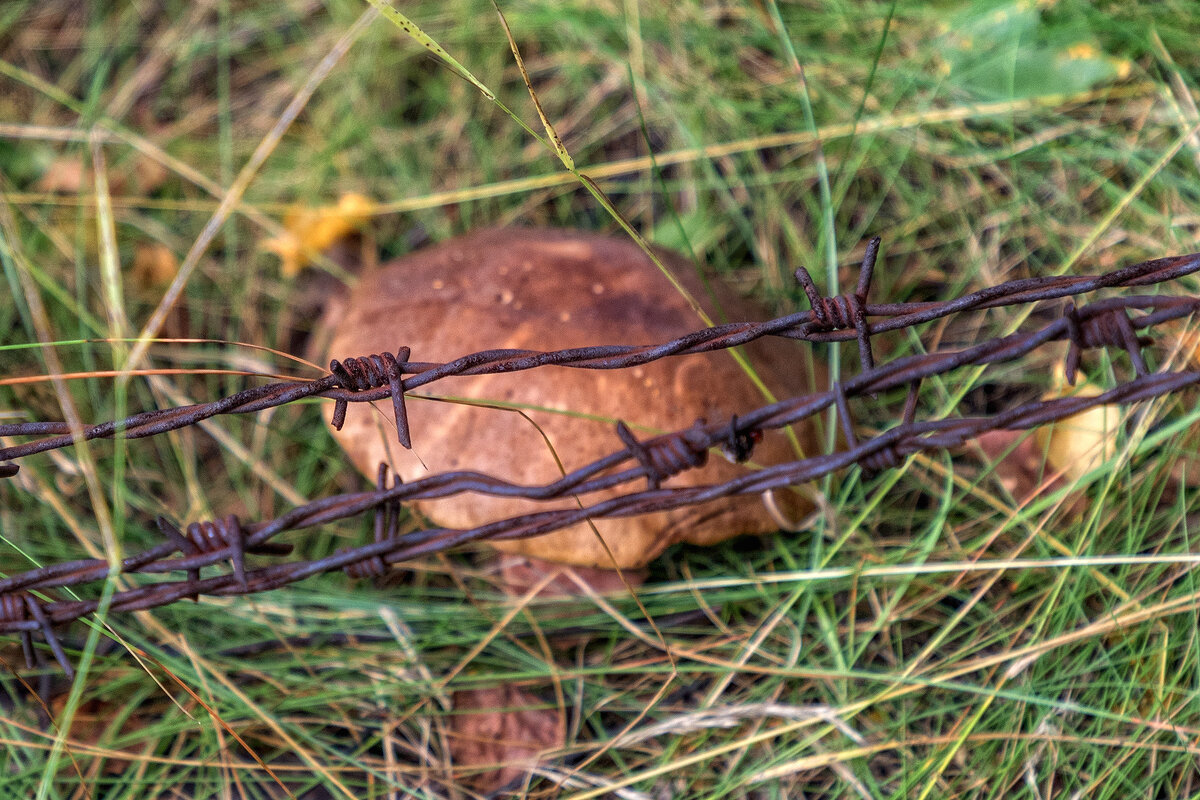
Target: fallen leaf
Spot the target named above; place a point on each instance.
(1019, 463)
(1078, 444)
(153, 265)
(66, 175)
(1057, 453)
(497, 734)
(309, 231)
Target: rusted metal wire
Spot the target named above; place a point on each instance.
(370, 372)
(845, 311)
(669, 456)
(1113, 322)
(806, 325)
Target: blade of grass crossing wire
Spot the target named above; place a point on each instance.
(657, 172)
(118, 327)
(41, 323)
(75, 696)
(103, 514)
(735, 352)
(827, 235)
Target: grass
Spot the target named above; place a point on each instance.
(932, 637)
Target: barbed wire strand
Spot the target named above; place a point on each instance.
(1100, 324)
(341, 384)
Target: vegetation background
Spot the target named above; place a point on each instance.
(984, 141)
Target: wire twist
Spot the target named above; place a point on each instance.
(373, 372)
(886, 456)
(387, 524)
(1108, 328)
(847, 310)
(211, 536)
(667, 455)
(21, 606)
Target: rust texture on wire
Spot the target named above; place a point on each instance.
(381, 372)
(28, 603)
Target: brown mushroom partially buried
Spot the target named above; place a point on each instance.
(543, 289)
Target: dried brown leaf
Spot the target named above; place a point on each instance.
(498, 733)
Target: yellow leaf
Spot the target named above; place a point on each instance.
(310, 231)
(1079, 443)
(1082, 50)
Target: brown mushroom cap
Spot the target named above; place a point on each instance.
(543, 289)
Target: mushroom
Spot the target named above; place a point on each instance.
(543, 289)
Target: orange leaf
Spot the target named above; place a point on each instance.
(310, 231)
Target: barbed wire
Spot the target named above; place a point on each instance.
(374, 377)
(28, 605)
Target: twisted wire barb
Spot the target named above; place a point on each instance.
(374, 371)
(387, 518)
(1104, 323)
(845, 311)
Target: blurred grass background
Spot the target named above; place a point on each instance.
(983, 141)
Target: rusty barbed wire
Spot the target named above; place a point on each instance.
(375, 371)
(375, 557)
(1100, 324)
